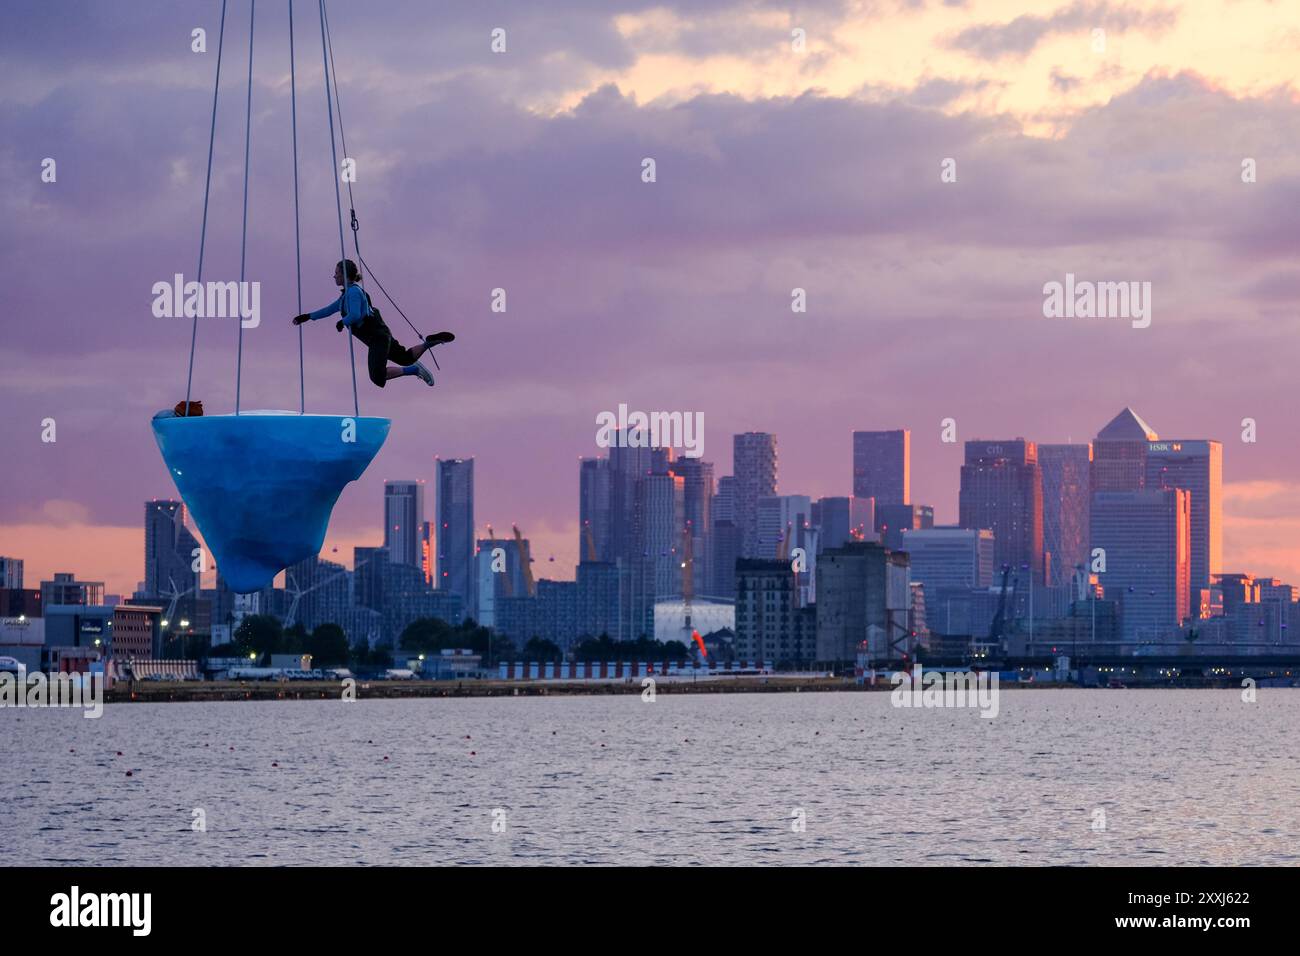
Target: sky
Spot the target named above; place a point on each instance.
(796, 146)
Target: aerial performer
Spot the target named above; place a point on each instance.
(364, 322)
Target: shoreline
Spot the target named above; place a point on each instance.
(197, 692)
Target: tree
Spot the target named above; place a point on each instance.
(539, 649)
(294, 640)
(259, 633)
(328, 646)
(426, 635)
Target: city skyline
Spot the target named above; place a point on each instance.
(550, 566)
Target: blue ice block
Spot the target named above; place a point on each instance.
(261, 485)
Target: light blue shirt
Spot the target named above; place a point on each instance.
(357, 306)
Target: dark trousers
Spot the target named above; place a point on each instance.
(381, 348)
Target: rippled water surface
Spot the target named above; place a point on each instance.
(1183, 777)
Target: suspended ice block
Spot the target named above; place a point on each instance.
(261, 485)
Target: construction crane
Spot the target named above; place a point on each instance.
(529, 584)
(998, 627)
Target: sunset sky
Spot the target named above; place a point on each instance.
(776, 168)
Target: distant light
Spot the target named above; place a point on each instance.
(164, 622)
(253, 656)
(184, 623)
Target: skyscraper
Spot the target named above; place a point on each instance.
(1067, 501)
(627, 467)
(1119, 453)
(882, 466)
(1198, 467)
(697, 499)
(404, 521)
(754, 465)
(593, 508)
(168, 550)
(662, 511)
(455, 533)
(1002, 490)
(1146, 538)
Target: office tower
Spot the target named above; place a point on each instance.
(754, 466)
(593, 509)
(368, 566)
(11, 573)
(766, 601)
(782, 523)
(724, 553)
(950, 557)
(168, 551)
(1146, 537)
(455, 532)
(403, 521)
(1119, 453)
(724, 502)
(1002, 490)
(1198, 467)
(786, 531)
(661, 509)
(863, 604)
(697, 499)
(627, 467)
(66, 589)
(832, 516)
(499, 573)
(882, 466)
(1067, 501)
(893, 520)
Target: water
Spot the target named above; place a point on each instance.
(1183, 777)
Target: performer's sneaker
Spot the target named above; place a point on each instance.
(420, 370)
(438, 338)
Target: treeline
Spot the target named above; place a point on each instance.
(262, 634)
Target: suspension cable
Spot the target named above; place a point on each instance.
(207, 188)
(243, 238)
(297, 239)
(338, 201)
(352, 206)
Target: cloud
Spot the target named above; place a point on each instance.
(1018, 37)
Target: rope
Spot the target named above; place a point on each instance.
(338, 198)
(243, 238)
(297, 240)
(352, 206)
(207, 188)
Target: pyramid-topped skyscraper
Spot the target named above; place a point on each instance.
(1119, 453)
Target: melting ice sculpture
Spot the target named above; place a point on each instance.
(261, 484)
